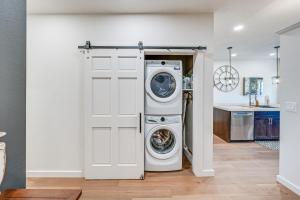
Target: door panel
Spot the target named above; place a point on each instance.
(127, 62)
(102, 146)
(101, 104)
(260, 128)
(274, 129)
(102, 62)
(127, 96)
(113, 101)
(127, 145)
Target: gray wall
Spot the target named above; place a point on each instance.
(13, 89)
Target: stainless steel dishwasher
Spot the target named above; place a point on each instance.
(242, 125)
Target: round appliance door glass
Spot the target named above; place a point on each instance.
(162, 141)
(163, 85)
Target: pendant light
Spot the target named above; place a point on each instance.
(229, 78)
(276, 79)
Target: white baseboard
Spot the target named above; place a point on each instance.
(288, 184)
(205, 173)
(54, 173)
(79, 173)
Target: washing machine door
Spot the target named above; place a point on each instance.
(163, 84)
(162, 142)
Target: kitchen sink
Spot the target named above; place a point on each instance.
(266, 106)
(261, 106)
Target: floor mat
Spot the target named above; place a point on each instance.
(272, 145)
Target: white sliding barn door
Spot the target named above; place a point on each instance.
(114, 110)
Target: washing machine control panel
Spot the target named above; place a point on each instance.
(163, 119)
(175, 64)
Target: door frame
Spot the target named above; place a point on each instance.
(202, 159)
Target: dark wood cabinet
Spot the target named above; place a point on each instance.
(266, 125)
(221, 124)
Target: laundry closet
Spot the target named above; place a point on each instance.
(178, 71)
(144, 110)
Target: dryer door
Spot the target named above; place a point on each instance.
(163, 85)
(162, 142)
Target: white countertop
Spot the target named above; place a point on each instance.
(236, 108)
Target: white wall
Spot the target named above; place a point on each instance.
(289, 91)
(54, 132)
(249, 68)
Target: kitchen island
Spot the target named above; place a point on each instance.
(246, 123)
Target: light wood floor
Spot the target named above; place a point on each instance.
(244, 171)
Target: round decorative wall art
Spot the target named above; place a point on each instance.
(226, 77)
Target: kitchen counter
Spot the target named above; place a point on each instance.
(236, 108)
(231, 122)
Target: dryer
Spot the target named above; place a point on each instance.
(163, 143)
(163, 86)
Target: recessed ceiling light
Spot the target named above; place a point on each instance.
(238, 28)
(272, 54)
(233, 55)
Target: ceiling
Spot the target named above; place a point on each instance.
(124, 6)
(261, 18)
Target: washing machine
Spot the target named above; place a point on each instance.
(163, 86)
(163, 143)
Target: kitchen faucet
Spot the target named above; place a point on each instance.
(250, 98)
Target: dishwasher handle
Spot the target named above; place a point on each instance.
(242, 114)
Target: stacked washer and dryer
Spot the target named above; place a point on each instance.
(163, 120)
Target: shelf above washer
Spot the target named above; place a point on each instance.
(187, 90)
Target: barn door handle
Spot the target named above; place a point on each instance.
(140, 122)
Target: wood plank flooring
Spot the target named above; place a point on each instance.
(244, 171)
